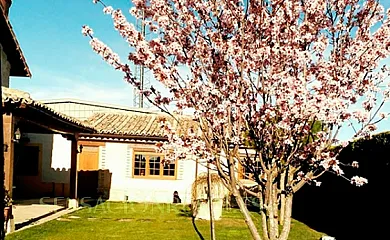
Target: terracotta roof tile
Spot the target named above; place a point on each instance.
(137, 124)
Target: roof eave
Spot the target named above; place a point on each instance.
(11, 47)
(124, 136)
(64, 121)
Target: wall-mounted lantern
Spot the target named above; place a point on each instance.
(80, 150)
(17, 135)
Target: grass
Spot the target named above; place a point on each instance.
(145, 222)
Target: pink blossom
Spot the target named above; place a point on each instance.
(330, 162)
(359, 181)
(355, 164)
(105, 52)
(318, 184)
(345, 143)
(108, 10)
(337, 170)
(86, 30)
(371, 127)
(361, 116)
(133, 11)
(383, 115)
(236, 140)
(163, 20)
(287, 81)
(300, 175)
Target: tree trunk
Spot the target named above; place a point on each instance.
(210, 201)
(273, 225)
(244, 210)
(287, 218)
(263, 216)
(282, 197)
(276, 205)
(248, 219)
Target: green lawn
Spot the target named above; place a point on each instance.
(144, 221)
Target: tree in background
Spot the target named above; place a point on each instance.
(263, 72)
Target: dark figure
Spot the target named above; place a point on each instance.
(176, 198)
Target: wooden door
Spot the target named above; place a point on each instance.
(89, 158)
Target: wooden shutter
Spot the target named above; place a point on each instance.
(89, 158)
(128, 162)
(180, 169)
(102, 157)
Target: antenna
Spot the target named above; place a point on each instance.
(140, 73)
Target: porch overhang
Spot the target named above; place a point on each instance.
(33, 112)
(22, 114)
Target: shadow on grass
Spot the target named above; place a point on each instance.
(91, 202)
(185, 212)
(188, 213)
(345, 211)
(336, 208)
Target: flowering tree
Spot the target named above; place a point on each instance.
(260, 74)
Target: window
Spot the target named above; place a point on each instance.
(152, 165)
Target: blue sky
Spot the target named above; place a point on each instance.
(60, 57)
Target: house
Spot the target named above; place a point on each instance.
(123, 150)
(124, 145)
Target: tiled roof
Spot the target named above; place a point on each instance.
(97, 104)
(17, 97)
(138, 124)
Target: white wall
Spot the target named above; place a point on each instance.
(115, 161)
(56, 156)
(119, 160)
